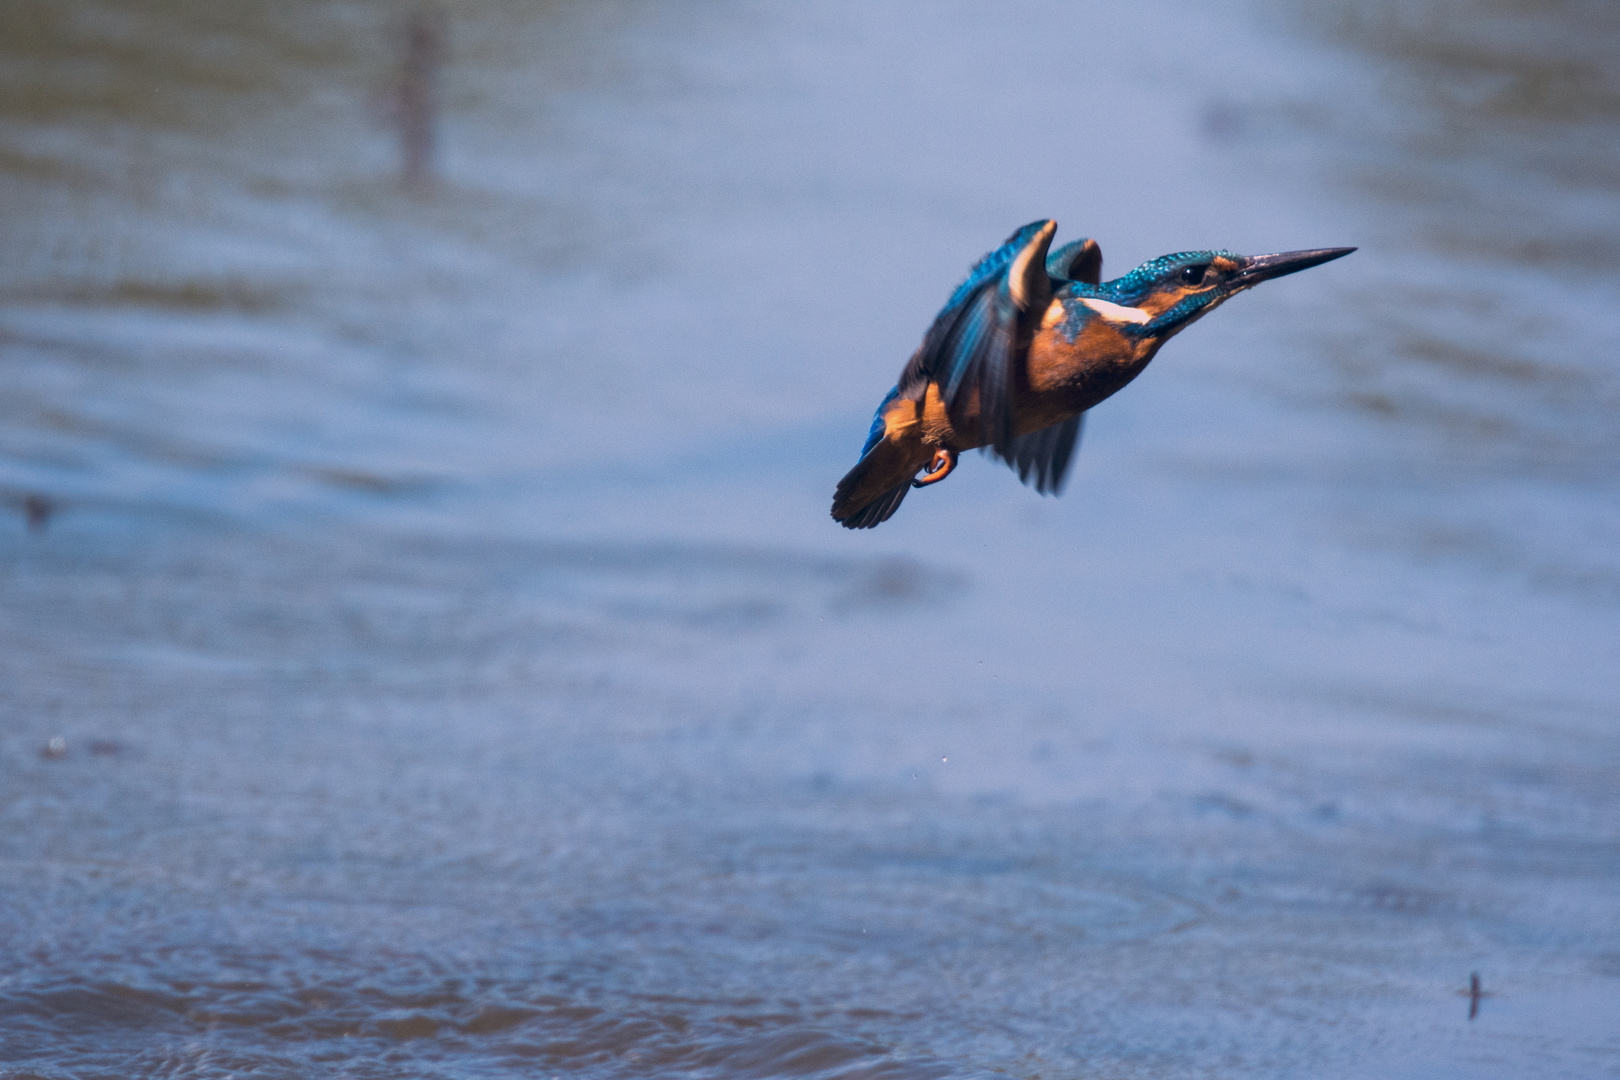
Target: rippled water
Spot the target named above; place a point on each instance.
(457, 673)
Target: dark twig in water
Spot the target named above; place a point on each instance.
(1475, 992)
(38, 510)
(417, 96)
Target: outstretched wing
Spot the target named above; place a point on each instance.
(1078, 260)
(978, 340)
(1042, 458)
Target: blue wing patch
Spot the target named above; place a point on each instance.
(974, 339)
(991, 265)
(875, 435)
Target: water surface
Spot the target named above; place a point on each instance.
(458, 673)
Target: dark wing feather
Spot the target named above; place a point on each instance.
(976, 340)
(1042, 457)
(1078, 260)
(984, 351)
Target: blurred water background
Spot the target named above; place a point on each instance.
(457, 673)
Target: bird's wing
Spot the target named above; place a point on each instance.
(980, 336)
(1078, 260)
(1042, 457)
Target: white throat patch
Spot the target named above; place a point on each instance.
(1115, 312)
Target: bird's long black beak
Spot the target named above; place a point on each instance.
(1265, 267)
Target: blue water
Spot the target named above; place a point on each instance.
(458, 673)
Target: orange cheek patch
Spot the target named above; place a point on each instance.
(1162, 301)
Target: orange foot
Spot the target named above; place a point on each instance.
(938, 469)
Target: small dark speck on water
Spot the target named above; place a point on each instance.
(1476, 991)
(1223, 121)
(38, 510)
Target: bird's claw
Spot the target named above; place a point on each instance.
(938, 469)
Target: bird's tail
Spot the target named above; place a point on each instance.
(872, 491)
(877, 511)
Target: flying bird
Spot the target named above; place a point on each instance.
(1030, 341)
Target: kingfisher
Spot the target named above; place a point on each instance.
(1030, 341)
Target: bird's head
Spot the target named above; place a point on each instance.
(1161, 297)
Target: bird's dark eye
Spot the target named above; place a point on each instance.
(1193, 275)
